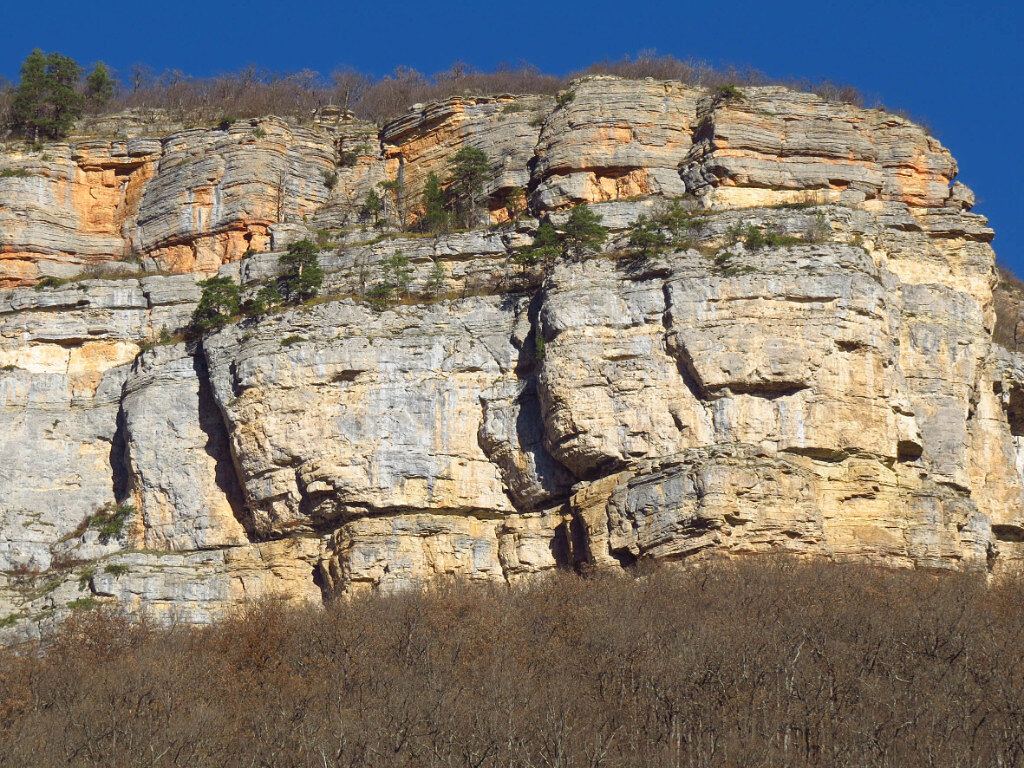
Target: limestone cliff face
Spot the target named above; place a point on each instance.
(837, 395)
(189, 201)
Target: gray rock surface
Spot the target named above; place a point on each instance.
(827, 385)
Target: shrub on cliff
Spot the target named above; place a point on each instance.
(584, 234)
(303, 276)
(436, 217)
(217, 305)
(469, 171)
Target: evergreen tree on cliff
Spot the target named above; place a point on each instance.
(303, 276)
(217, 305)
(469, 171)
(99, 86)
(435, 215)
(46, 102)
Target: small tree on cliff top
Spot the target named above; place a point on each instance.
(99, 86)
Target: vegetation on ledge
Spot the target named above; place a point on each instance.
(53, 90)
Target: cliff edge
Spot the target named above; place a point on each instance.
(809, 368)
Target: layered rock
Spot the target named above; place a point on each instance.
(611, 139)
(187, 202)
(810, 369)
(768, 143)
(426, 141)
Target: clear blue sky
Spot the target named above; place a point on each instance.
(958, 65)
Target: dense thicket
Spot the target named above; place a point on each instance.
(761, 663)
(253, 92)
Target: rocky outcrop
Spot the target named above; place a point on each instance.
(611, 139)
(767, 143)
(189, 201)
(426, 140)
(810, 369)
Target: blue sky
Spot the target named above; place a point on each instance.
(957, 65)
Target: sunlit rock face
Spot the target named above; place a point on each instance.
(828, 387)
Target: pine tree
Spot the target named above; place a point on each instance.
(266, 298)
(515, 203)
(647, 237)
(436, 279)
(397, 272)
(583, 232)
(303, 276)
(46, 102)
(545, 249)
(396, 277)
(372, 206)
(99, 86)
(435, 214)
(217, 305)
(469, 172)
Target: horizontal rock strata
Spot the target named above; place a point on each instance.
(831, 391)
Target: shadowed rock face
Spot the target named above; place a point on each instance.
(836, 395)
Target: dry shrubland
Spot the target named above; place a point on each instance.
(762, 663)
(1008, 301)
(254, 92)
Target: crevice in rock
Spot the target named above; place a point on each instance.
(218, 443)
(119, 472)
(818, 453)
(552, 477)
(694, 171)
(624, 557)
(1010, 533)
(684, 363)
(322, 580)
(908, 451)
(767, 390)
(562, 546)
(1015, 411)
(579, 544)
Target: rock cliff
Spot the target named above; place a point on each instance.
(810, 369)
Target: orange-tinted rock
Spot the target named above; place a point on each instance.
(748, 149)
(612, 139)
(426, 140)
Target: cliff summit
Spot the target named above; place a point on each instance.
(797, 356)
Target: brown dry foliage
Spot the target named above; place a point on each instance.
(253, 92)
(1008, 299)
(766, 663)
